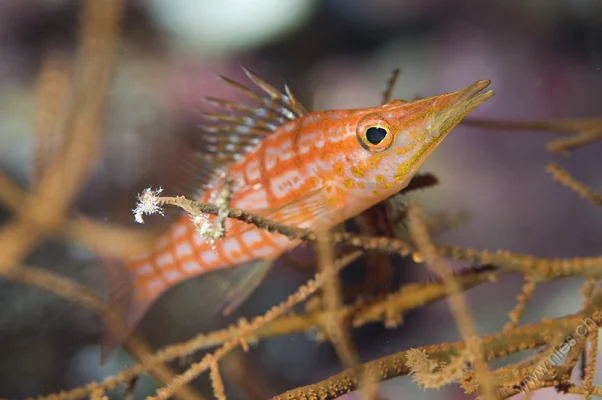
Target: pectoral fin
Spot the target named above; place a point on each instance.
(224, 290)
(249, 278)
(304, 212)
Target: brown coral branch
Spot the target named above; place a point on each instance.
(578, 140)
(558, 125)
(44, 208)
(53, 283)
(11, 194)
(300, 295)
(459, 308)
(523, 298)
(52, 90)
(596, 390)
(216, 380)
(537, 267)
(408, 298)
(87, 298)
(590, 362)
(421, 181)
(364, 242)
(336, 326)
(431, 375)
(163, 374)
(102, 238)
(562, 176)
(238, 371)
(589, 358)
(390, 85)
(379, 269)
(495, 346)
(585, 131)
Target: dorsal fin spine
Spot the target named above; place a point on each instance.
(235, 128)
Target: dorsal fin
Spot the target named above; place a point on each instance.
(239, 128)
(233, 129)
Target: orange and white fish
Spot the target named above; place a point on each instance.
(307, 169)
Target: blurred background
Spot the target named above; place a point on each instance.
(544, 59)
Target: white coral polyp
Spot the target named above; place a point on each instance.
(148, 203)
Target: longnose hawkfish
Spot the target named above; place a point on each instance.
(307, 169)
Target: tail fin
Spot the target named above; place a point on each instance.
(133, 291)
(136, 282)
(222, 291)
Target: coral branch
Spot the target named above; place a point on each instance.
(581, 189)
(523, 298)
(572, 142)
(300, 295)
(72, 107)
(494, 346)
(364, 242)
(43, 211)
(390, 85)
(459, 308)
(558, 125)
(585, 131)
(336, 326)
(100, 237)
(538, 268)
(86, 298)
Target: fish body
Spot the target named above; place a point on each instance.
(306, 169)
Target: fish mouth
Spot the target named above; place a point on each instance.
(446, 111)
(462, 103)
(474, 95)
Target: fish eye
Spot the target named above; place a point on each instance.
(374, 134)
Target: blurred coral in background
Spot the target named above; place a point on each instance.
(544, 59)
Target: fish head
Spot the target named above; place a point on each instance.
(395, 138)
